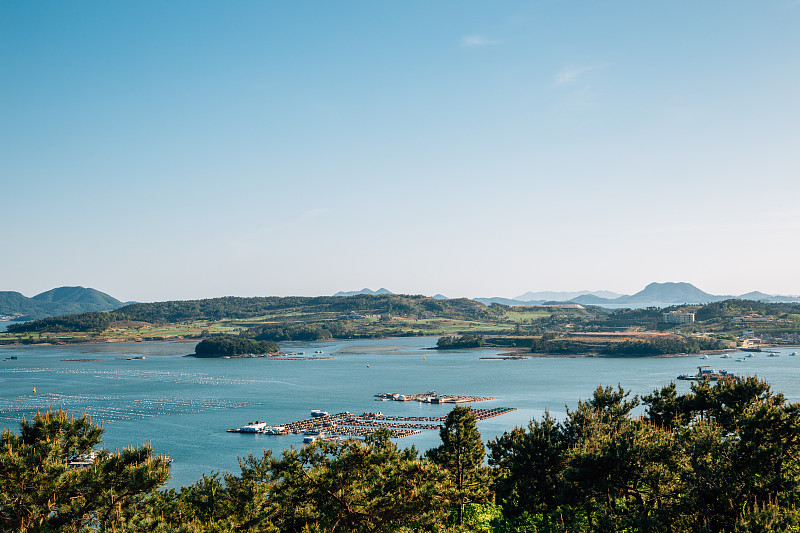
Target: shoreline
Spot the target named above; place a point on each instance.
(509, 353)
(524, 353)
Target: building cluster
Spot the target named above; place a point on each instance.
(677, 317)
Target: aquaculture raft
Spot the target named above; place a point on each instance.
(351, 425)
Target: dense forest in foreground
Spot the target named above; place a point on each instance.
(720, 458)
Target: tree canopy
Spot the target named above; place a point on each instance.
(233, 345)
(722, 457)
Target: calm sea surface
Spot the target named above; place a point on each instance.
(183, 405)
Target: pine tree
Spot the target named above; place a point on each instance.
(461, 453)
(39, 491)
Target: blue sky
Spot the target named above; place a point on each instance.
(201, 149)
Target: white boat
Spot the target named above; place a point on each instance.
(253, 427)
(274, 430)
(703, 357)
(793, 353)
(312, 438)
(725, 356)
(316, 413)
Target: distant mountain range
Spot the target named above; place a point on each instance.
(562, 296)
(71, 300)
(654, 295)
(56, 302)
(364, 291)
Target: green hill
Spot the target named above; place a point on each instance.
(57, 302)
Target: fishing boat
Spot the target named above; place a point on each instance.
(251, 427)
(308, 439)
(705, 372)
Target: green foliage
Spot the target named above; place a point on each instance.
(728, 308)
(40, 492)
(84, 322)
(461, 454)
(528, 466)
(357, 488)
(56, 302)
(663, 345)
(291, 332)
(234, 307)
(723, 457)
(232, 345)
(626, 348)
(454, 342)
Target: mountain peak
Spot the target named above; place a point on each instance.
(364, 291)
(677, 292)
(58, 301)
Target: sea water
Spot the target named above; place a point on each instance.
(182, 406)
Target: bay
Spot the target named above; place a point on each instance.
(183, 406)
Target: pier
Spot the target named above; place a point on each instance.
(350, 425)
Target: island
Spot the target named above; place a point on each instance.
(233, 346)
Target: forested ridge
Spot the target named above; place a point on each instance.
(236, 307)
(461, 323)
(325, 307)
(719, 458)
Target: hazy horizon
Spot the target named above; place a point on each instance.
(199, 149)
(471, 296)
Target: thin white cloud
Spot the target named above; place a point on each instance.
(476, 40)
(570, 74)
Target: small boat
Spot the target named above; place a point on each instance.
(704, 372)
(316, 413)
(741, 360)
(772, 354)
(725, 356)
(793, 353)
(251, 427)
(703, 357)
